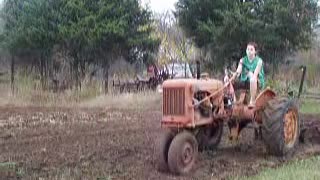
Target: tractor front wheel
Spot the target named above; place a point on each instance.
(164, 144)
(209, 136)
(281, 126)
(183, 152)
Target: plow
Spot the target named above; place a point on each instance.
(136, 85)
(154, 78)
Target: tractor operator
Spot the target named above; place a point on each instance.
(250, 70)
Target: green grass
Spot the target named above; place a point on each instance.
(7, 166)
(299, 169)
(10, 168)
(310, 107)
(81, 171)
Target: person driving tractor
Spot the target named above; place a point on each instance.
(250, 70)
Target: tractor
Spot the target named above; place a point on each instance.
(194, 112)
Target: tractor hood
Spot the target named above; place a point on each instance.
(209, 85)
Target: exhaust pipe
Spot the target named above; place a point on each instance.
(198, 69)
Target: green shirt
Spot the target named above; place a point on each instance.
(251, 66)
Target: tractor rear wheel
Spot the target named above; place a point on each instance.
(281, 126)
(183, 152)
(164, 144)
(209, 136)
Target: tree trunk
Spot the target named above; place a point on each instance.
(274, 64)
(46, 71)
(82, 71)
(185, 69)
(106, 79)
(71, 74)
(12, 74)
(76, 74)
(42, 73)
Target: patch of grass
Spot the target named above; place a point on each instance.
(141, 100)
(68, 173)
(299, 169)
(104, 178)
(28, 92)
(310, 107)
(7, 165)
(10, 169)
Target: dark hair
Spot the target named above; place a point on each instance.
(254, 45)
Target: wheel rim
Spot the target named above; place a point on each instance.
(290, 127)
(187, 153)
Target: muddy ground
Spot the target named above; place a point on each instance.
(99, 143)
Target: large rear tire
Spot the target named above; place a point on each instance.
(164, 144)
(183, 153)
(281, 126)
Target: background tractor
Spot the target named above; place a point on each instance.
(195, 111)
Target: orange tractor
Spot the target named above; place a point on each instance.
(195, 111)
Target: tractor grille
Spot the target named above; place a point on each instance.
(173, 101)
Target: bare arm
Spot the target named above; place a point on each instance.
(239, 69)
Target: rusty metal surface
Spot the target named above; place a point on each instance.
(264, 96)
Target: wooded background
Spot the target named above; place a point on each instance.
(70, 42)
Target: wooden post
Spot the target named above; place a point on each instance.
(12, 74)
(106, 79)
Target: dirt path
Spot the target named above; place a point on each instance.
(56, 143)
